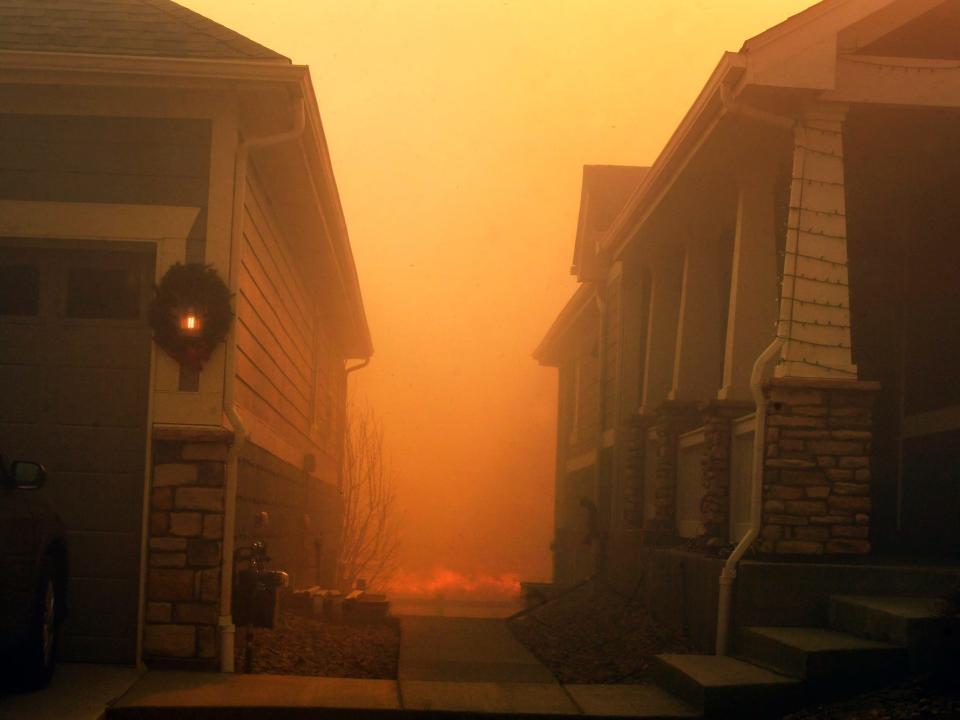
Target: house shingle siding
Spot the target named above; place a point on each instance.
(150, 28)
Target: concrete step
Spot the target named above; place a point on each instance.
(725, 686)
(823, 657)
(910, 622)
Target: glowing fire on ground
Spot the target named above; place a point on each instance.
(450, 584)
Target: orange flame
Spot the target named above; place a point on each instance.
(454, 585)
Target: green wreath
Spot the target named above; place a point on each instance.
(191, 313)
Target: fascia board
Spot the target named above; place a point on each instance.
(801, 52)
(341, 236)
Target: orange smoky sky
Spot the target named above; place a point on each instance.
(458, 130)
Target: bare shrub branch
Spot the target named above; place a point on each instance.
(369, 539)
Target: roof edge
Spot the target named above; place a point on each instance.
(349, 273)
(680, 146)
(577, 303)
(272, 70)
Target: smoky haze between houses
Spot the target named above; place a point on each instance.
(458, 133)
(508, 357)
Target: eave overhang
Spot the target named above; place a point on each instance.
(698, 123)
(549, 351)
(786, 66)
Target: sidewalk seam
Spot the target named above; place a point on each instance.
(403, 705)
(571, 698)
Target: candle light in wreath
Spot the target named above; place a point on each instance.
(191, 313)
(191, 322)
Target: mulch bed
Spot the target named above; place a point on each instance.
(921, 697)
(304, 646)
(594, 635)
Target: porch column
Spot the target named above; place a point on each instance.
(633, 321)
(718, 417)
(697, 358)
(666, 278)
(672, 419)
(659, 480)
(814, 316)
(752, 313)
(816, 483)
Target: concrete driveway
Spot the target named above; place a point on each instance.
(77, 692)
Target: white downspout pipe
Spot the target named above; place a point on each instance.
(227, 628)
(729, 573)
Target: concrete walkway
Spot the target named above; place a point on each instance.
(461, 666)
(465, 650)
(473, 665)
(212, 696)
(76, 692)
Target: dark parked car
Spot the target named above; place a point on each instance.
(33, 575)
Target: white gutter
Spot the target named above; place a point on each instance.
(227, 628)
(729, 573)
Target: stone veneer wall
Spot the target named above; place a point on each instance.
(816, 485)
(635, 433)
(673, 418)
(185, 547)
(718, 417)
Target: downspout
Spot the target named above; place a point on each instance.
(359, 366)
(227, 628)
(729, 573)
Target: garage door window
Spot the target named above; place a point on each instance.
(19, 290)
(103, 293)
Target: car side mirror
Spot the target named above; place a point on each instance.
(28, 475)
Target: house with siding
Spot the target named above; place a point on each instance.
(138, 137)
(759, 353)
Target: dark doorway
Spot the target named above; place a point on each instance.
(904, 228)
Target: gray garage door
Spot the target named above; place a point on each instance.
(74, 365)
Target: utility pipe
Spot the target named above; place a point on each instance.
(227, 629)
(729, 573)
